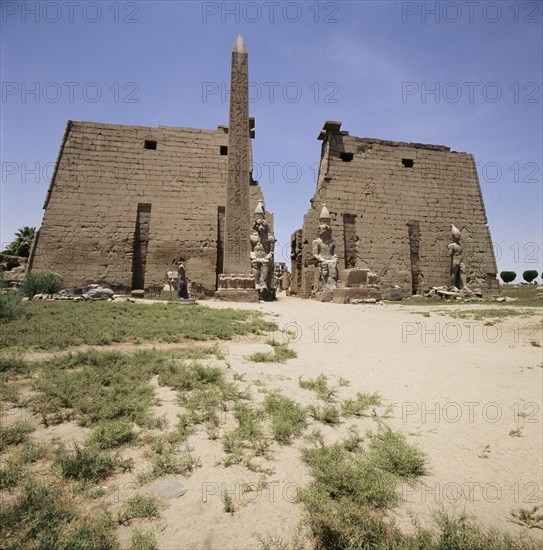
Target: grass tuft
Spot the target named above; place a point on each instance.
(320, 386)
(166, 458)
(42, 515)
(14, 435)
(280, 354)
(288, 418)
(139, 506)
(358, 406)
(10, 307)
(229, 506)
(85, 464)
(143, 541)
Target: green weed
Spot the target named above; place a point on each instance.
(139, 506)
(166, 458)
(327, 414)
(14, 435)
(10, 307)
(358, 406)
(288, 418)
(42, 515)
(530, 518)
(280, 354)
(85, 464)
(229, 507)
(320, 387)
(143, 541)
(59, 325)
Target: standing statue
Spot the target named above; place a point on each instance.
(278, 276)
(324, 254)
(458, 269)
(182, 287)
(262, 248)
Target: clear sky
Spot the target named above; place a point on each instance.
(463, 74)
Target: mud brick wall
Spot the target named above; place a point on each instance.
(392, 206)
(118, 213)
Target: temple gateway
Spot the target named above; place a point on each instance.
(127, 205)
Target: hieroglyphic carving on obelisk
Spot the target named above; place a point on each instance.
(237, 244)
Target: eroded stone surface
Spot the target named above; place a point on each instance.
(396, 202)
(126, 201)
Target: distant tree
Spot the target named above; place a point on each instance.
(529, 275)
(508, 276)
(22, 242)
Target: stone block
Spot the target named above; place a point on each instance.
(393, 294)
(353, 277)
(345, 295)
(237, 295)
(137, 293)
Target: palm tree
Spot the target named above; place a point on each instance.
(23, 241)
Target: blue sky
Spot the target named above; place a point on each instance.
(463, 74)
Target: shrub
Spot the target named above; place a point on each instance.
(10, 307)
(529, 275)
(508, 276)
(40, 283)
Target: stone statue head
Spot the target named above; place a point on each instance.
(456, 234)
(325, 231)
(260, 212)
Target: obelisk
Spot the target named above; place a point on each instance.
(237, 283)
(237, 244)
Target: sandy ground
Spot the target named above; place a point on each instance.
(456, 387)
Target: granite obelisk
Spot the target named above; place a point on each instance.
(237, 244)
(237, 282)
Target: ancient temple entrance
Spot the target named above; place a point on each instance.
(141, 242)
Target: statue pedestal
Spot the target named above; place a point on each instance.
(237, 287)
(356, 285)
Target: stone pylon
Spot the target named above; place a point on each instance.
(237, 282)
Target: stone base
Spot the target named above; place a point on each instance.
(325, 295)
(186, 302)
(236, 281)
(345, 295)
(237, 295)
(268, 295)
(393, 294)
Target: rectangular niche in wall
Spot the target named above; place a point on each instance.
(141, 242)
(349, 233)
(414, 248)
